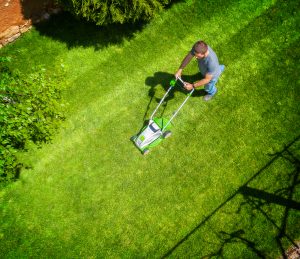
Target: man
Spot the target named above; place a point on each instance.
(209, 67)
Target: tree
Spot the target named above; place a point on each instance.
(31, 109)
(104, 12)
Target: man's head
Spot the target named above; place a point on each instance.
(200, 49)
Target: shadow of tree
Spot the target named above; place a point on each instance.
(234, 237)
(260, 200)
(256, 200)
(75, 32)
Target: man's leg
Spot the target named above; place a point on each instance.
(222, 67)
(210, 88)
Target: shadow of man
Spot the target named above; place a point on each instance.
(163, 79)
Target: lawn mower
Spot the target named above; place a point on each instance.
(158, 129)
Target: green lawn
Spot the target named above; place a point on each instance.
(225, 184)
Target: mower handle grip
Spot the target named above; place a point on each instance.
(173, 82)
(184, 83)
(179, 78)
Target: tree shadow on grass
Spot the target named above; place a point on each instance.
(259, 201)
(74, 32)
(233, 237)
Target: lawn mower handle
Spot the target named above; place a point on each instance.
(184, 83)
(179, 78)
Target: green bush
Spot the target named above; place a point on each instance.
(104, 12)
(31, 109)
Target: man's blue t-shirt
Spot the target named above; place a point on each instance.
(210, 64)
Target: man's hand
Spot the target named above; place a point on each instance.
(178, 73)
(188, 86)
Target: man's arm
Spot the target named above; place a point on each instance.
(184, 63)
(203, 81)
(199, 83)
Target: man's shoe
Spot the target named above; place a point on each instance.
(207, 97)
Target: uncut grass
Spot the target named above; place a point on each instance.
(97, 186)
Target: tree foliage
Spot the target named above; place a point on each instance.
(30, 111)
(104, 12)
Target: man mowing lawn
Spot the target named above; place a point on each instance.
(208, 65)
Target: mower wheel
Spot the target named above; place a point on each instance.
(145, 152)
(167, 134)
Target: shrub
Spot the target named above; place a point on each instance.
(31, 109)
(104, 12)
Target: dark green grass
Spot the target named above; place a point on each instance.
(224, 184)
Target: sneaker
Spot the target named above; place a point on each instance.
(207, 97)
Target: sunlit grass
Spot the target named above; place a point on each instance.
(91, 194)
